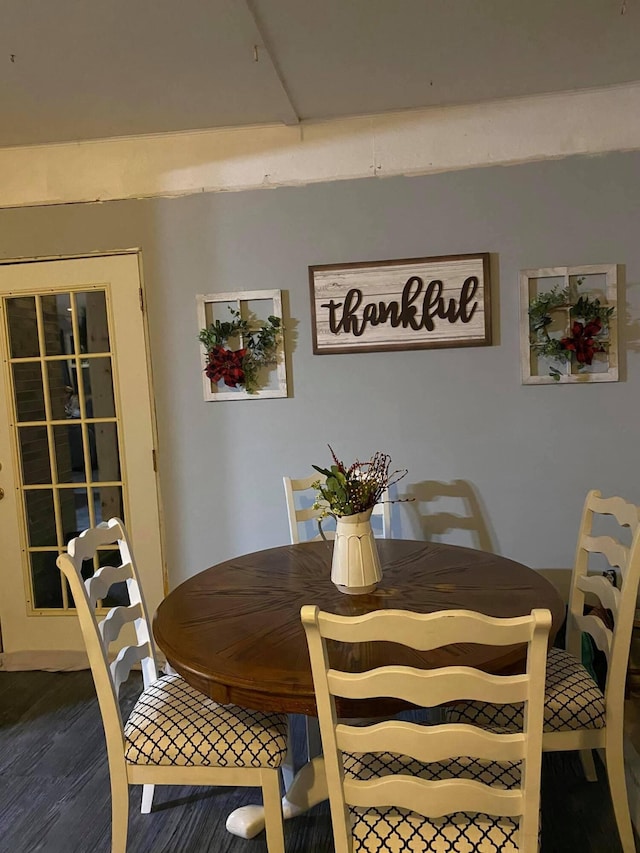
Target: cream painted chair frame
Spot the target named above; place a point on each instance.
(298, 516)
(428, 688)
(615, 644)
(109, 677)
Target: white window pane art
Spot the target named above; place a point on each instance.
(242, 345)
(569, 324)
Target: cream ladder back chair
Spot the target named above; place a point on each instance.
(175, 735)
(301, 515)
(578, 714)
(404, 786)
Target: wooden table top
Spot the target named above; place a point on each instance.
(234, 631)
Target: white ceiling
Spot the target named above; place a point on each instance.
(88, 69)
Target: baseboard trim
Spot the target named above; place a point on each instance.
(50, 660)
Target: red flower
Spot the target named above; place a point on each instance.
(582, 340)
(226, 364)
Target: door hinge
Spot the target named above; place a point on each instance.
(155, 460)
(141, 299)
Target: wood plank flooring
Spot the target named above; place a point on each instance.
(54, 787)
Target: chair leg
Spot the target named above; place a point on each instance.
(119, 813)
(314, 742)
(147, 799)
(588, 766)
(288, 765)
(271, 798)
(618, 790)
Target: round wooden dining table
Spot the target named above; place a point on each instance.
(233, 631)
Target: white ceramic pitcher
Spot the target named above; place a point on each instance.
(355, 567)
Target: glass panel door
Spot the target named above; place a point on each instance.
(67, 428)
(76, 447)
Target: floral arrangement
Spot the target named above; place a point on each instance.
(588, 334)
(238, 368)
(347, 491)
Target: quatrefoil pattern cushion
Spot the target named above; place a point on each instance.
(172, 723)
(378, 830)
(572, 700)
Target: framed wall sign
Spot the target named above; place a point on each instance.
(417, 303)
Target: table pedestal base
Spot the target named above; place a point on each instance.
(308, 788)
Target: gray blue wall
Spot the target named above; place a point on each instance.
(527, 454)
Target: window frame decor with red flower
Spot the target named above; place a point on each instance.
(242, 354)
(568, 324)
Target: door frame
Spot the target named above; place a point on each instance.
(65, 659)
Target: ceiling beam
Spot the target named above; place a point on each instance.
(415, 142)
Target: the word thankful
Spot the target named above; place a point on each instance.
(410, 311)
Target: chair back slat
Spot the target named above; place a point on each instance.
(428, 688)
(625, 513)
(606, 593)
(127, 658)
(99, 585)
(615, 552)
(600, 634)
(86, 545)
(116, 619)
(433, 745)
(427, 631)
(433, 799)
(307, 514)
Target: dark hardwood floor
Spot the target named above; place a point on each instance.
(54, 788)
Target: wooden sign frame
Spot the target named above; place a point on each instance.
(413, 303)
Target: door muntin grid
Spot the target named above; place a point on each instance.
(66, 428)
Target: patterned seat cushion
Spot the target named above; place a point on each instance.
(572, 700)
(172, 723)
(395, 829)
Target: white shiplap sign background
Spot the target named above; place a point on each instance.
(404, 304)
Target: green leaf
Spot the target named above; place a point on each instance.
(322, 470)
